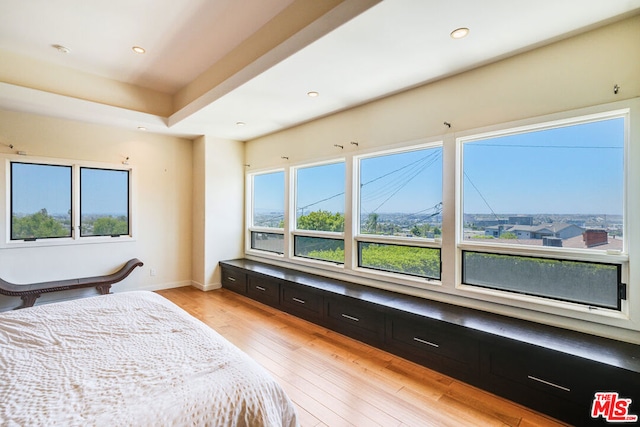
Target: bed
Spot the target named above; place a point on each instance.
(131, 358)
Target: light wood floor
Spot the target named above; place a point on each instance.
(337, 381)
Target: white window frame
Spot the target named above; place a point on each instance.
(581, 311)
(249, 185)
(358, 237)
(75, 239)
(293, 226)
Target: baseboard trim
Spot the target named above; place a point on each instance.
(205, 288)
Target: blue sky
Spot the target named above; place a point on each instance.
(575, 169)
(570, 170)
(47, 186)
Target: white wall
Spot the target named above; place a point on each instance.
(571, 74)
(162, 176)
(218, 170)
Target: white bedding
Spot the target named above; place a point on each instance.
(131, 358)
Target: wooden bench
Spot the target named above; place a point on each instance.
(30, 292)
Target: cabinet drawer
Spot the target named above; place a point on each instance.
(301, 302)
(356, 319)
(559, 376)
(234, 280)
(264, 290)
(554, 383)
(433, 343)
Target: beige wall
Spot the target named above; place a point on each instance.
(218, 181)
(162, 180)
(572, 74)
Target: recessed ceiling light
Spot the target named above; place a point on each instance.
(60, 48)
(138, 49)
(142, 128)
(312, 94)
(240, 123)
(459, 33)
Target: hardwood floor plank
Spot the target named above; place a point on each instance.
(336, 381)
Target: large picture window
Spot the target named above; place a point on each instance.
(320, 192)
(104, 202)
(533, 215)
(40, 201)
(555, 190)
(400, 211)
(267, 212)
(65, 201)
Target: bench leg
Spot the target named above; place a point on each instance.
(103, 289)
(28, 300)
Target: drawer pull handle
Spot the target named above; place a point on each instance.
(346, 316)
(531, 377)
(421, 341)
(260, 288)
(231, 279)
(301, 301)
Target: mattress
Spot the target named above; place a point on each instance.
(130, 358)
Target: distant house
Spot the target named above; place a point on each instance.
(558, 230)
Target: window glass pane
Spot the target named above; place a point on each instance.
(331, 250)
(268, 200)
(320, 198)
(558, 187)
(270, 242)
(104, 202)
(40, 201)
(401, 194)
(415, 261)
(581, 282)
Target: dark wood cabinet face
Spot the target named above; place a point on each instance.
(234, 280)
(302, 302)
(356, 319)
(264, 290)
(433, 343)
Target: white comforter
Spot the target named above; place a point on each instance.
(134, 359)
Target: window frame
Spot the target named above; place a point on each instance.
(295, 232)
(10, 194)
(249, 215)
(620, 258)
(359, 238)
(80, 235)
(75, 239)
(450, 288)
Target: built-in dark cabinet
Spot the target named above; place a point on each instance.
(235, 280)
(302, 302)
(552, 370)
(265, 290)
(354, 318)
(446, 348)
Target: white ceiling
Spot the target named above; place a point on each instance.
(392, 46)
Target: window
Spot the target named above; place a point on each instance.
(40, 201)
(539, 205)
(400, 212)
(104, 202)
(267, 213)
(319, 199)
(49, 201)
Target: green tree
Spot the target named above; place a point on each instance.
(37, 225)
(108, 225)
(372, 223)
(508, 235)
(321, 221)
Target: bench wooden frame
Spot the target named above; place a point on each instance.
(29, 293)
